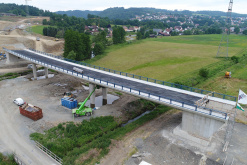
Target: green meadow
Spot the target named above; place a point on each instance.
(168, 57)
(38, 29)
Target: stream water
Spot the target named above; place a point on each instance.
(138, 117)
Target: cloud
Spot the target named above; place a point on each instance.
(194, 5)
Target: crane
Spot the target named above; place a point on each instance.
(83, 110)
(223, 48)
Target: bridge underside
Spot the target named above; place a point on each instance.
(200, 125)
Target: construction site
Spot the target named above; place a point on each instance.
(198, 129)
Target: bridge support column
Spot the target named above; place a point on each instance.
(104, 93)
(11, 58)
(46, 72)
(92, 98)
(34, 71)
(199, 125)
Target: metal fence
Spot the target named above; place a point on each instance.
(136, 92)
(48, 152)
(183, 87)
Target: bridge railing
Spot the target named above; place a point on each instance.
(48, 54)
(183, 87)
(137, 92)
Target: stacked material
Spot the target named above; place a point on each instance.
(30, 111)
(69, 102)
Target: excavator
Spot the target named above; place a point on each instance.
(83, 110)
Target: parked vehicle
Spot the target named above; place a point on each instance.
(30, 66)
(78, 70)
(18, 101)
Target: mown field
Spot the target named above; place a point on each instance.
(168, 57)
(229, 86)
(38, 29)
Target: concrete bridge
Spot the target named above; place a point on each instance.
(203, 113)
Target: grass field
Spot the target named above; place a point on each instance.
(212, 39)
(229, 86)
(168, 57)
(38, 29)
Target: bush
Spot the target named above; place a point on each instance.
(235, 59)
(98, 48)
(72, 55)
(204, 72)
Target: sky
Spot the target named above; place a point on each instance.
(193, 5)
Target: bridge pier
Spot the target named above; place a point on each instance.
(200, 125)
(46, 72)
(12, 58)
(104, 93)
(34, 71)
(92, 98)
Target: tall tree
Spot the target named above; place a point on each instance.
(118, 35)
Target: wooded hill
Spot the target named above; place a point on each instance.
(21, 10)
(122, 13)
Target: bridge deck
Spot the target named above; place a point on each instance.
(174, 97)
(121, 80)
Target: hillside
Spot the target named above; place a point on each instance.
(122, 13)
(21, 10)
(79, 13)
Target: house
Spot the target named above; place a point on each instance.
(164, 34)
(157, 30)
(131, 29)
(87, 28)
(125, 28)
(136, 28)
(167, 31)
(7, 14)
(153, 36)
(242, 29)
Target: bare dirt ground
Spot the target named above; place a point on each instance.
(46, 94)
(156, 144)
(17, 38)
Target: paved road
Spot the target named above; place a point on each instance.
(110, 78)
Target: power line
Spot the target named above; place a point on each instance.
(223, 48)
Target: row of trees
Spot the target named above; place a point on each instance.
(77, 45)
(50, 31)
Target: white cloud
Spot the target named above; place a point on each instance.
(194, 5)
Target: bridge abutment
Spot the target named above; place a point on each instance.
(92, 97)
(104, 93)
(199, 125)
(11, 59)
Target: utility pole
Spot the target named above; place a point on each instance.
(223, 48)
